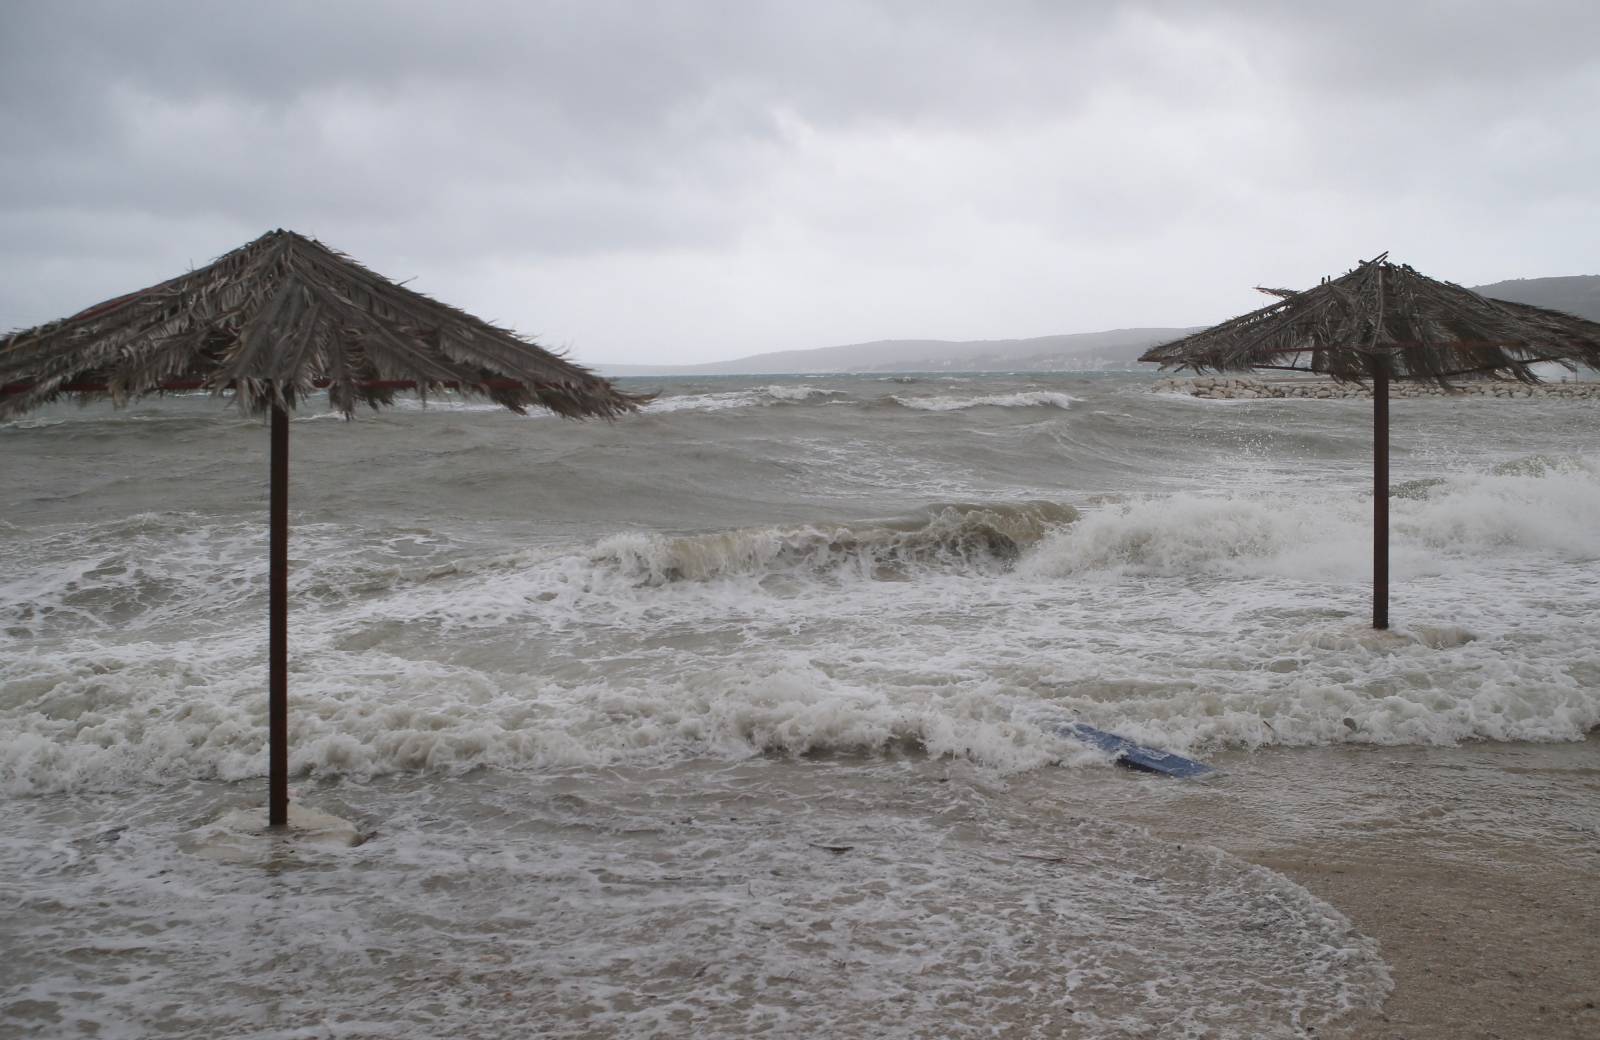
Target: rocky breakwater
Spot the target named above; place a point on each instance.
(1234, 389)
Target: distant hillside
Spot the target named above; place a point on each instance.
(1075, 352)
(1081, 351)
(1576, 294)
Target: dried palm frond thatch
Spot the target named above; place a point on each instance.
(1385, 321)
(1385, 315)
(278, 318)
(269, 323)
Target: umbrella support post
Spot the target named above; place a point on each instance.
(1380, 498)
(278, 627)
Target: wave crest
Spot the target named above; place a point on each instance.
(1022, 399)
(1544, 506)
(983, 538)
(759, 397)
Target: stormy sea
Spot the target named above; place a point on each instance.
(742, 716)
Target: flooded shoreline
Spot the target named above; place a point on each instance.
(907, 896)
(742, 717)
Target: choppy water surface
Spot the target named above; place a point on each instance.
(610, 693)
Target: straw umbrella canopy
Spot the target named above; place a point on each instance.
(1384, 321)
(268, 325)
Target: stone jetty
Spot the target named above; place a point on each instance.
(1234, 388)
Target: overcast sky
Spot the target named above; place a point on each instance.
(677, 182)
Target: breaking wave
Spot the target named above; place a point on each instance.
(985, 538)
(760, 397)
(1545, 505)
(1025, 399)
(131, 646)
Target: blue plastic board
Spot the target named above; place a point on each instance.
(1137, 756)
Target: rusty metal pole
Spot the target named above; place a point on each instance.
(278, 627)
(1380, 495)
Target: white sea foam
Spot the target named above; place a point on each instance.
(734, 399)
(960, 536)
(134, 645)
(1328, 535)
(715, 902)
(1024, 399)
(442, 402)
(683, 713)
(547, 661)
(33, 423)
(779, 392)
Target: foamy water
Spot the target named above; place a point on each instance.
(955, 403)
(538, 631)
(845, 899)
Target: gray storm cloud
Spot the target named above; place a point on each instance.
(657, 183)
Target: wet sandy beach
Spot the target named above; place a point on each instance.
(1476, 869)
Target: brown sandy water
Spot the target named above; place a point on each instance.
(833, 896)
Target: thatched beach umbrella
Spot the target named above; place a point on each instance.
(1385, 321)
(268, 325)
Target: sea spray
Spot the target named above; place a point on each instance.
(823, 573)
(966, 536)
(1327, 536)
(760, 397)
(955, 403)
(679, 721)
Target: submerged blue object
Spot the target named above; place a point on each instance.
(1137, 756)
